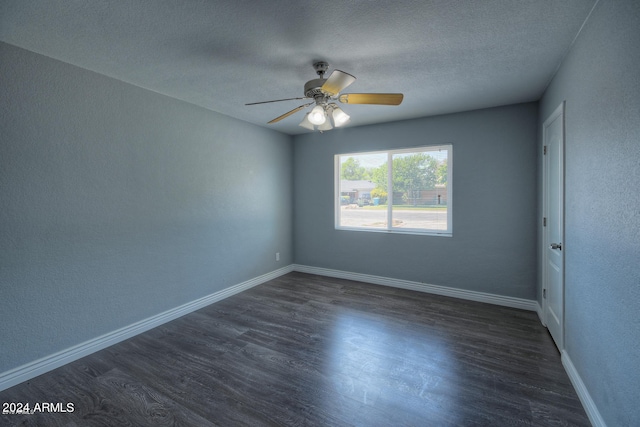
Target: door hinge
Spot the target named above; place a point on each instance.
(544, 150)
(544, 293)
(544, 221)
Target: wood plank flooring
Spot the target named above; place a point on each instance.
(306, 350)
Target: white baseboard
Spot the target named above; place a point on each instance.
(48, 363)
(513, 302)
(540, 313)
(587, 402)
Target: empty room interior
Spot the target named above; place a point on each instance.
(320, 213)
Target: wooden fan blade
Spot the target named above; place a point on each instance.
(337, 82)
(287, 114)
(275, 100)
(372, 98)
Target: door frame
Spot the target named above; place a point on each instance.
(558, 112)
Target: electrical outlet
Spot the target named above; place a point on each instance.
(277, 256)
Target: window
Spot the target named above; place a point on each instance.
(401, 191)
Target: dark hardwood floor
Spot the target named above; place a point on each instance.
(305, 350)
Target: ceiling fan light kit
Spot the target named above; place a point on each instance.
(323, 91)
(322, 115)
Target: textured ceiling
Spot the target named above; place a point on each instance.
(445, 56)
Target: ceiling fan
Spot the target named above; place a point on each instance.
(324, 93)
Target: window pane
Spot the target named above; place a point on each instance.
(415, 182)
(420, 190)
(360, 201)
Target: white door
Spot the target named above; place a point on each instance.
(553, 208)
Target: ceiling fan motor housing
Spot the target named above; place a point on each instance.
(312, 89)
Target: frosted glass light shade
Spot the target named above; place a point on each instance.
(317, 116)
(325, 126)
(305, 123)
(339, 117)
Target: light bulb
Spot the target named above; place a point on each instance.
(340, 117)
(317, 116)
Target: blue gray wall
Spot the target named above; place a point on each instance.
(493, 248)
(117, 203)
(600, 81)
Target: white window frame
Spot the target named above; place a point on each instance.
(390, 229)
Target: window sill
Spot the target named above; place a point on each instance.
(398, 231)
